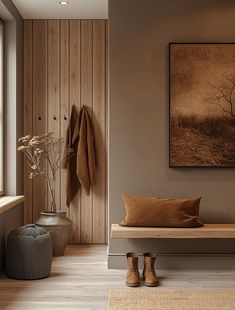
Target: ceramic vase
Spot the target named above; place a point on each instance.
(59, 227)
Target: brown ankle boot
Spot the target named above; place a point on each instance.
(149, 275)
(133, 277)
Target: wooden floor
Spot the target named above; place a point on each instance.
(81, 280)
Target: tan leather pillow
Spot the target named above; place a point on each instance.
(157, 212)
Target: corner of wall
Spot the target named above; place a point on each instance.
(13, 97)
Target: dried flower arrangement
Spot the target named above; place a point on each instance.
(43, 154)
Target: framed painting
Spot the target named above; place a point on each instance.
(202, 105)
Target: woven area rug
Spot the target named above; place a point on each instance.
(136, 299)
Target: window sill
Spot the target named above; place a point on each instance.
(8, 202)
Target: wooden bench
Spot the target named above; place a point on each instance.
(208, 231)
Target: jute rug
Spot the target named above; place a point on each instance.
(135, 299)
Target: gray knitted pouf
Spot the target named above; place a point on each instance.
(29, 253)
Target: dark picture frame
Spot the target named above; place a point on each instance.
(201, 105)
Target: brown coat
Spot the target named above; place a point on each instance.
(86, 158)
(79, 153)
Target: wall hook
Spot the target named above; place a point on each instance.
(54, 117)
(65, 118)
(39, 118)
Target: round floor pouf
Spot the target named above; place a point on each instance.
(29, 253)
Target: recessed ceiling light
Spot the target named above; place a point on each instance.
(63, 2)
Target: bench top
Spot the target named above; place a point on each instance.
(207, 231)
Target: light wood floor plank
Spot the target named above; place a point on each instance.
(80, 280)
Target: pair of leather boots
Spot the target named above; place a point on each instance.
(149, 274)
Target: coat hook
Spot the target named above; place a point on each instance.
(39, 118)
(54, 117)
(65, 118)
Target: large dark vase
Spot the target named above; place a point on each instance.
(59, 227)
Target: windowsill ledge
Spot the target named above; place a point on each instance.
(8, 202)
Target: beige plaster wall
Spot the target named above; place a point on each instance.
(140, 31)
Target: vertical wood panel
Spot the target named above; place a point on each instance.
(99, 112)
(86, 99)
(28, 110)
(39, 105)
(75, 96)
(53, 120)
(64, 105)
(65, 64)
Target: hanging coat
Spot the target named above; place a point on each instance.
(86, 157)
(79, 153)
(69, 161)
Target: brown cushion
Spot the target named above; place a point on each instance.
(154, 211)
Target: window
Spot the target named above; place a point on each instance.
(1, 107)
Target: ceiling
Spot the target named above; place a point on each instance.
(51, 9)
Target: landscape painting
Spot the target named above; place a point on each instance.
(202, 105)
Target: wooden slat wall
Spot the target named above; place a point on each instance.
(40, 97)
(75, 95)
(53, 88)
(28, 112)
(99, 95)
(86, 96)
(64, 96)
(65, 63)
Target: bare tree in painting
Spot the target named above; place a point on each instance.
(224, 94)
